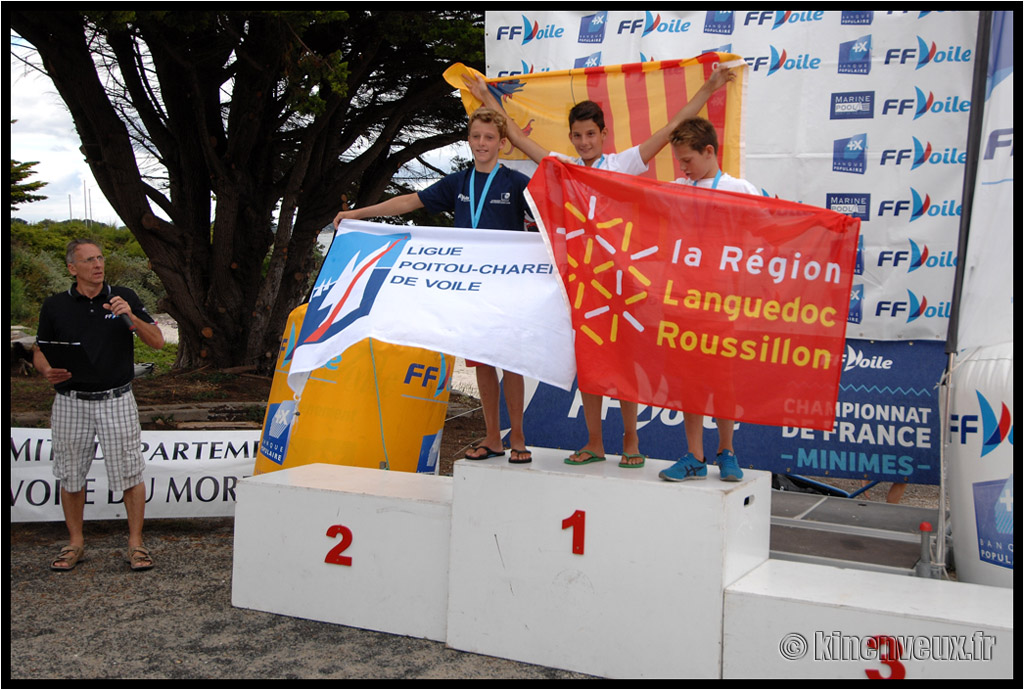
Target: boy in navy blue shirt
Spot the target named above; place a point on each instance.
(488, 195)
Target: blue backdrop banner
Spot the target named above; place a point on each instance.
(887, 422)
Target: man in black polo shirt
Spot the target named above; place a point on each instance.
(94, 397)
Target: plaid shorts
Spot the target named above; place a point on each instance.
(76, 424)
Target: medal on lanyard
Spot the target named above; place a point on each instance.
(475, 211)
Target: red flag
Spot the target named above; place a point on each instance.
(700, 300)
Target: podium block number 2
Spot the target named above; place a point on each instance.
(334, 555)
(577, 521)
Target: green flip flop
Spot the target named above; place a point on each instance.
(594, 457)
(628, 456)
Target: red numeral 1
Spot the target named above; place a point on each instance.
(334, 555)
(578, 522)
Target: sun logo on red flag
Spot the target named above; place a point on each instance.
(603, 282)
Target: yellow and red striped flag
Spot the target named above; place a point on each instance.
(637, 99)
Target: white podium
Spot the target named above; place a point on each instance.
(797, 620)
(350, 545)
(599, 569)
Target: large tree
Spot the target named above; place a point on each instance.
(226, 141)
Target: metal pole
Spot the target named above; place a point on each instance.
(974, 127)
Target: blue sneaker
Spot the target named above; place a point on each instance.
(688, 467)
(728, 468)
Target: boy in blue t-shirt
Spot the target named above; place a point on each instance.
(488, 195)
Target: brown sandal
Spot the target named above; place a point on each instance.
(139, 558)
(70, 556)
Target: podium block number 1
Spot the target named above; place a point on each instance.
(334, 555)
(578, 522)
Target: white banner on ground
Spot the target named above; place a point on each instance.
(188, 474)
(487, 295)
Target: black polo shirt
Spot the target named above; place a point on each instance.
(72, 317)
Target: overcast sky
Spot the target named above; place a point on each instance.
(44, 132)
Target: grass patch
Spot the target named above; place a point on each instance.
(163, 359)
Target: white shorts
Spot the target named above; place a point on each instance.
(76, 425)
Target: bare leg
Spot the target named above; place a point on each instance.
(595, 438)
(73, 505)
(514, 393)
(694, 426)
(896, 492)
(135, 507)
(490, 400)
(630, 439)
(725, 433)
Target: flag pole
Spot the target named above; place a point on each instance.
(974, 127)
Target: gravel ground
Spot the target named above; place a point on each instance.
(177, 622)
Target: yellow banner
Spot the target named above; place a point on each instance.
(375, 405)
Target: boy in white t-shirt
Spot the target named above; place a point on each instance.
(587, 132)
(695, 148)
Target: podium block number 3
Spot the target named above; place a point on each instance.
(334, 555)
(577, 521)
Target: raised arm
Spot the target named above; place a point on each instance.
(478, 87)
(395, 206)
(719, 78)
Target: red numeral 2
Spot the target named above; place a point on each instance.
(334, 555)
(578, 522)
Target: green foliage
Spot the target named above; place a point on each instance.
(38, 267)
(163, 358)
(21, 192)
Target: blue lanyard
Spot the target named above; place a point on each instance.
(476, 211)
(714, 185)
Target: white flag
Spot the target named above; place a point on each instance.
(492, 296)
